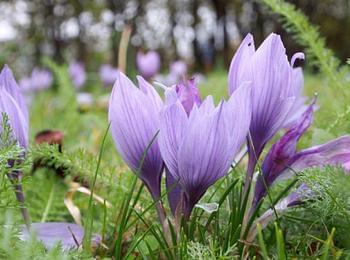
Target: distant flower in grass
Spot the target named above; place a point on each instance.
(276, 88)
(178, 68)
(68, 235)
(78, 74)
(283, 159)
(198, 145)
(108, 74)
(39, 79)
(134, 117)
(148, 64)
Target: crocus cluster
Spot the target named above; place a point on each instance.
(78, 74)
(194, 142)
(39, 79)
(148, 63)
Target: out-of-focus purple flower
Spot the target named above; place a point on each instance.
(148, 64)
(178, 68)
(68, 235)
(13, 104)
(78, 74)
(198, 148)
(188, 94)
(85, 99)
(283, 159)
(134, 117)
(276, 86)
(39, 79)
(108, 74)
(346, 166)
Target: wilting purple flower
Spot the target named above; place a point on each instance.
(108, 74)
(13, 104)
(295, 198)
(198, 148)
(77, 73)
(148, 64)
(68, 235)
(39, 80)
(276, 87)
(188, 94)
(134, 117)
(283, 159)
(178, 68)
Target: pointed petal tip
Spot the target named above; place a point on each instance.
(297, 56)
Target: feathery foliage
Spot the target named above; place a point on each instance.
(321, 57)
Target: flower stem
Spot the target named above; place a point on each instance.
(15, 178)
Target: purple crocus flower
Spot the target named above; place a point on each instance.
(148, 64)
(39, 79)
(188, 94)
(178, 68)
(134, 117)
(276, 87)
(13, 104)
(78, 74)
(108, 74)
(295, 198)
(198, 148)
(68, 235)
(283, 159)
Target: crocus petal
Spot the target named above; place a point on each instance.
(240, 59)
(263, 128)
(203, 155)
(173, 124)
(8, 81)
(16, 117)
(207, 105)
(238, 113)
(335, 152)
(150, 92)
(174, 191)
(299, 106)
(134, 118)
(188, 94)
(281, 155)
(69, 236)
(270, 74)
